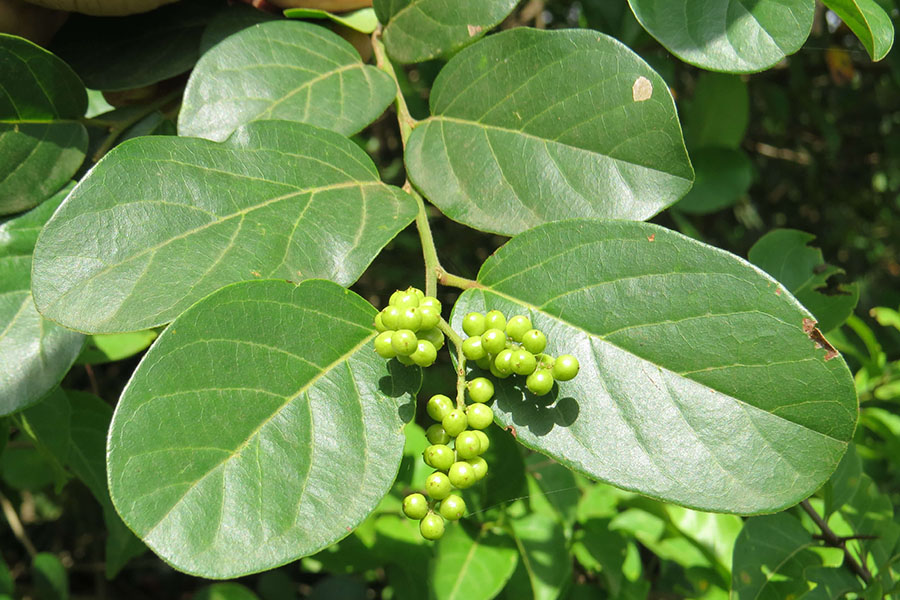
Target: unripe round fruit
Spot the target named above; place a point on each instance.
(485, 362)
(566, 367)
(534, 341)
(485, 441)
(383, 345)
(404, 360)
(404, 342)
(496, 373)
(453, 508)
(432, 302)
(517, 326)
(430, 317)
(493, 340)
(439, 456)
(473, 349)
(503, 362)
(410, 319)
(473, 324)
(379, 323)
(540, 382)
(395, 297)
(481, 389)
(405, 299)
(425, 354)
(431, 527)
(495, 320)
(435, 336)
(479, 467)
(479, 416)
(467, 445)
(438, 407)
(523, 362)
(415, 506)
(390, 317)
(437, 435)
(419, 293)
(455, 422)
(438, 485)
(461, 475)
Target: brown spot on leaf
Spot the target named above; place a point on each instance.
(512, 430)
(474, 30)
(810, 329)
(778, 291)
(642, 89)
(651, 237)
(256, 273)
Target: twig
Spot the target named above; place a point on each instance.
(15, 524)
(835, 541)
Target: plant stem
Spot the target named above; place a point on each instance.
(384, 63)
(116, 129)
(429, 252)
(832, 539)
(16, 525)
(451, 280)
(460, 363)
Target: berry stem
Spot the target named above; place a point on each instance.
(460, 363)
(451, 280)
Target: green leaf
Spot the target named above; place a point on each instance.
(123, 53)
(785, 254)
(225, 591)
(41, 141)
(533, 126)
(699, 384)
(723, 177)
(282, 70)
(602, 550)
(735, 36)
(116, 346)
(472, 563)
(419, 30)
(211, 214)
(719, 112)
(34, 353)
(50, 579)
(26, 469)
(230, 20)
(363, 20)
(259, 428)
(544, 553)
(556, 487)
(868, 21)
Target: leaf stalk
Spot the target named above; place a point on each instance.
(835, 541)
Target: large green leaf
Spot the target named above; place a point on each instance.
(161, 222)
(723, 176)
(544, 553)
(868, 21)
(719, 112)
(419, 30)
(282, 70)
(472, 563)
(534, 126)
(34, 353)
(41, 141)
(736, 36)
(702, 383)
(259, 428)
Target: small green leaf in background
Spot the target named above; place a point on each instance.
(472, 563)
(246, 439)
(41, 140)
(534, 126)
(363, 20)
(102, 348)
(544, 553)
(718, 113)
(786, 255)
(419, 30)
(278, 199)
(34, 353)
(25, 468)
(50, 579)
(287, 70)
(230, 20)
(734, 36)
(7, 587)
(868, 20)
(225, 591)
(553, 485)
(723, 176)
(698, 382)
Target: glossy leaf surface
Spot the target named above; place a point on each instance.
(533, 126)
(472, 563)
(735, 36)
(363, 20)
(161, 222)
(698, 385)
(282, 70)
(867, 19)
(246, 439)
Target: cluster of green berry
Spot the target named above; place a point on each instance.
(408, 328)
(458, 467)
(515, 347)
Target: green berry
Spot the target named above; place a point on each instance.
(481, 389)
(453, 507)
(540, 382)
(485, 441)
(479, 416)
(495, 320)
(566, 367)
(404, 360)
(467, 445)
(517, 326)
(534, 341)
(486, 362)
(493, 340)
(461, 475)
(430, 317)
(473, 323)
(523, 362)
(498, 374)
(431, 527)
(432, 302)
(395, 297)
(379, 323)
(404, 342)
(439, 456)
(390, 317)
(437, 435)
(438, 485)
(383, 345)
(410, 319)
(405, 299)
(419, 293)
(435, 336)
(415, 506)
(473, 349)
(425, 354)
(479, 467)
(455, 422)
(503, 362)
(438, 407)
